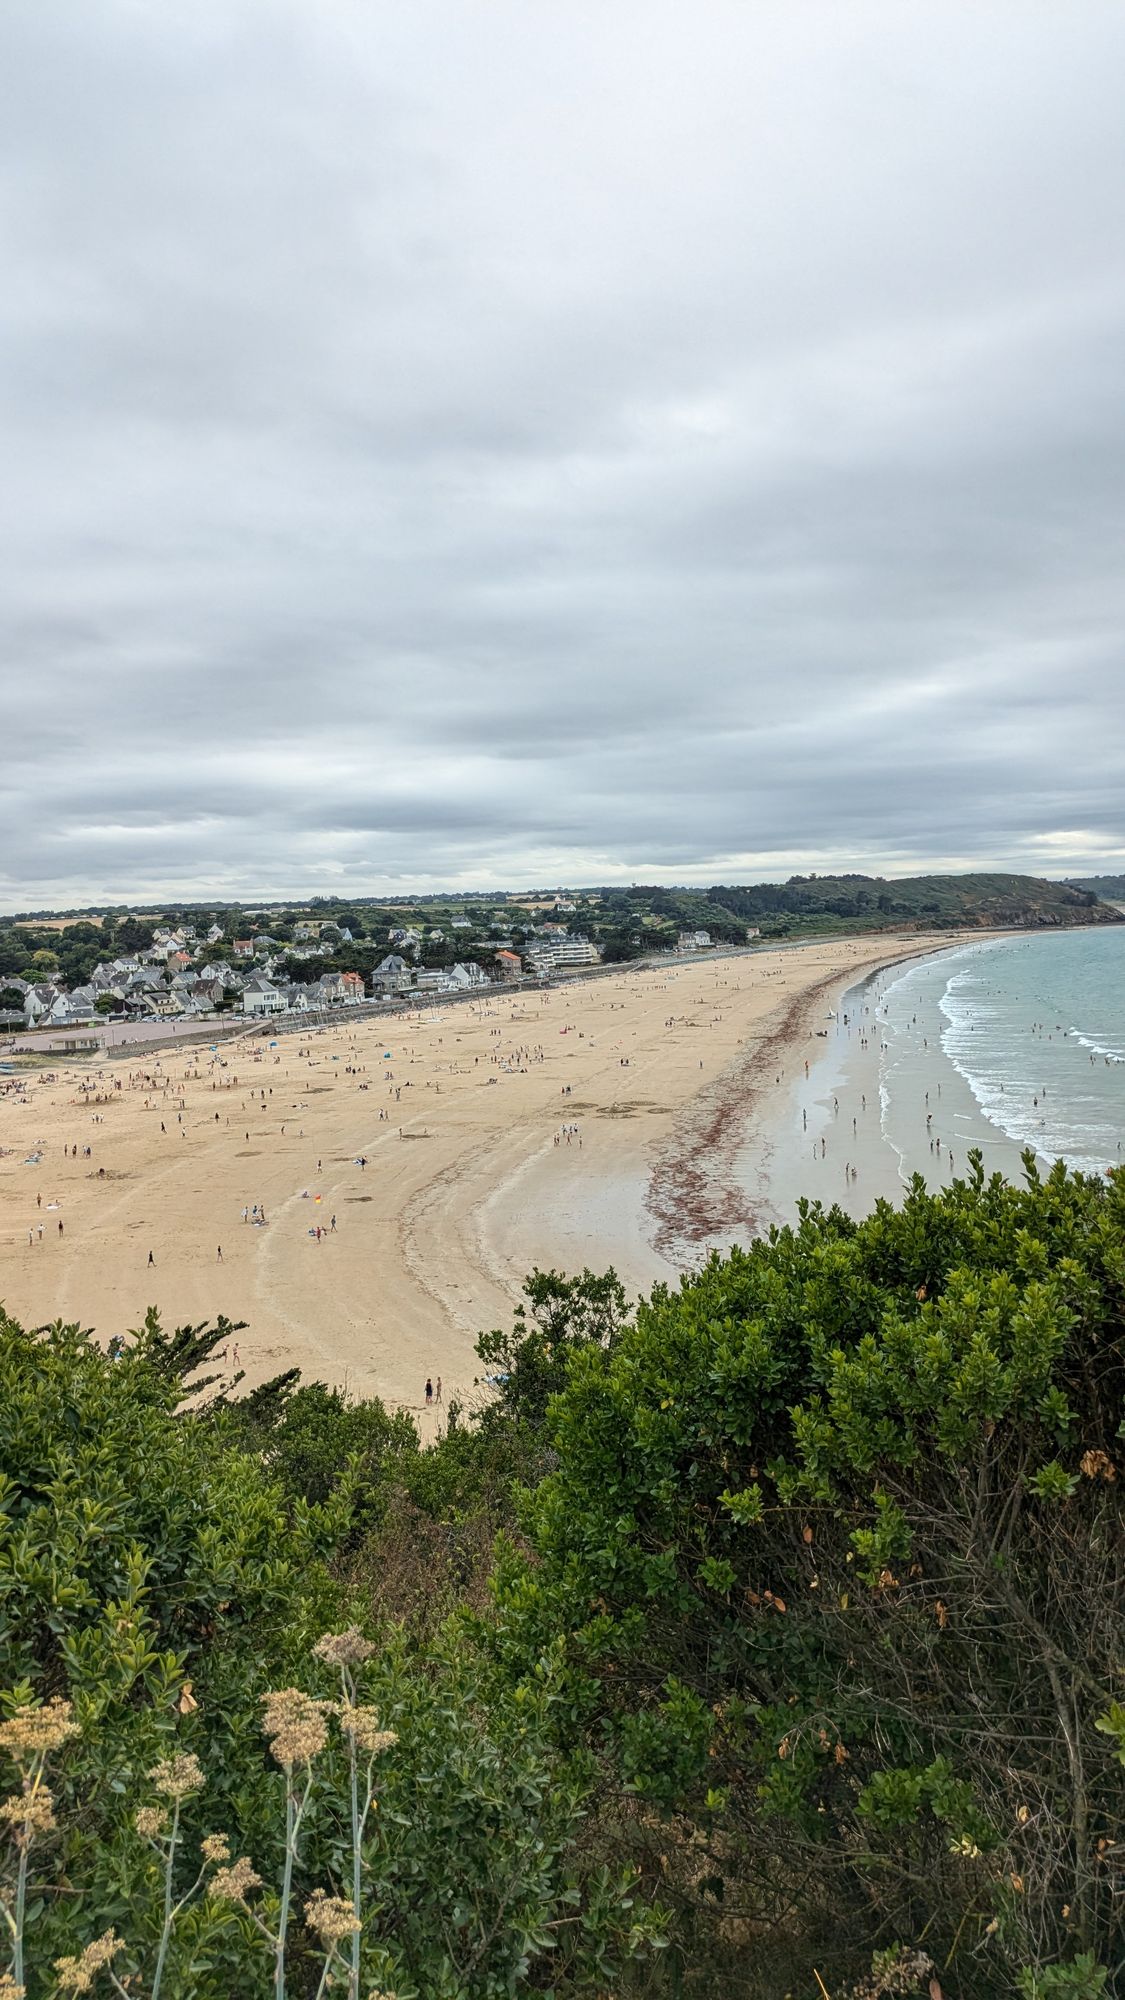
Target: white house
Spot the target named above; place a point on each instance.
(693, 941)
(63, 1014)
(37, 1002)
(544, 958)
(261, 996)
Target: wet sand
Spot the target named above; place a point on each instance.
(471, 1178)
(880, 1104)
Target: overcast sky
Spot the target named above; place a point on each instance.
(525, 443)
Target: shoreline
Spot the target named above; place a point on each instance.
(666, 1199)
(884, 1103)
(683, 1204)
(432, 1238)
(642, 1120)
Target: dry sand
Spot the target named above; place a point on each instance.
(470, 1179)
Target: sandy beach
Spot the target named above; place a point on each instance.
(441, 1155)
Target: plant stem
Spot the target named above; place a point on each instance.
(35, 1776)
(353, 1976)
(21, 1904)
(166, 1932)
(286, 1890)
(294, 1814)
(327, 1969)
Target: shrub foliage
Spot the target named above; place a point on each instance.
(830, 1568)
(802, 1655)
(162, 1584)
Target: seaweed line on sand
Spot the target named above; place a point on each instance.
(693, 1194)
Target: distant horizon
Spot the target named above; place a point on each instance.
(152, 903)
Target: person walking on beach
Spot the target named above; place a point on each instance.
(151, 1258)
(437, 1390)
(220, 1257)
(429, 1392)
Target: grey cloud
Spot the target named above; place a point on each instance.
(449, 445)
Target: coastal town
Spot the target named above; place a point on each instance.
(108, 976)
(183, 975)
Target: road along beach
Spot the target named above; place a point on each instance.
(378, 1190)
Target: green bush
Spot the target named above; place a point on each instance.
(157, 1586)
(828, 1574)
(528, 1363)
(313, 1440)
(812, 1630)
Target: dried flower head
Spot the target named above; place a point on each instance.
(897, 1970)
(363, 1724)
(333, 1918)
(178, 1776)
(295, 1726)
(215, 1848)
(77, 1975)
(233, 1884)
(8, 1988)
(32, 1732)
(29, 1813)
(344, 1649)
(151, 1822)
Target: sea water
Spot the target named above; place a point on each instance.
(1030, 1032)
